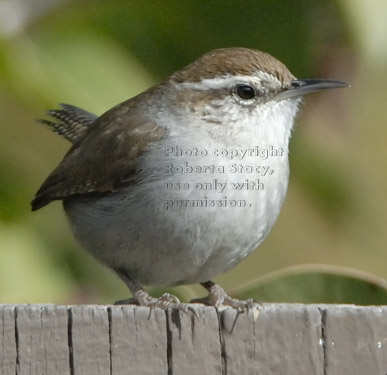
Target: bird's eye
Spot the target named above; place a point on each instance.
(245, 92)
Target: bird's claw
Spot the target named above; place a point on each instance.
(164, 302)
(217, 296)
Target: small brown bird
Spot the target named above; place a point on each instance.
(180, 183)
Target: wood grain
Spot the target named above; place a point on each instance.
(278, 339)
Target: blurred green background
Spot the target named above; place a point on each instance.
(95, 54)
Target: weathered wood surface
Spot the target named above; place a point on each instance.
(282, 339)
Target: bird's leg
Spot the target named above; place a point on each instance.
(217, 296)
(142, 298)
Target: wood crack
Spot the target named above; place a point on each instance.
(169, 345)
(109, 312)
(17, 342)
(323, 339)
(222, 342)
(70, 339)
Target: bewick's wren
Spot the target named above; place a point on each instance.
(183, 181)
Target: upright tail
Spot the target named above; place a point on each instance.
(71, 122)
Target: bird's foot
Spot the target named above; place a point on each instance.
(142, 298)
(165, 302)
(217, 296)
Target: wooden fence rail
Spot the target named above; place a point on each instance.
(283, 339)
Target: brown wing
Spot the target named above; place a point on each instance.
(108, 151)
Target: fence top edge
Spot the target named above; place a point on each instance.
(263, 307)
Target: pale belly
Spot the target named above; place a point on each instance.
(163, 233)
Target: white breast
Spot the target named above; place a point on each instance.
(164, 235)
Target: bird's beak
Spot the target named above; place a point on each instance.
(301, 87)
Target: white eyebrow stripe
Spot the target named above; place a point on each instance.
(228, 81)
(215, 83)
